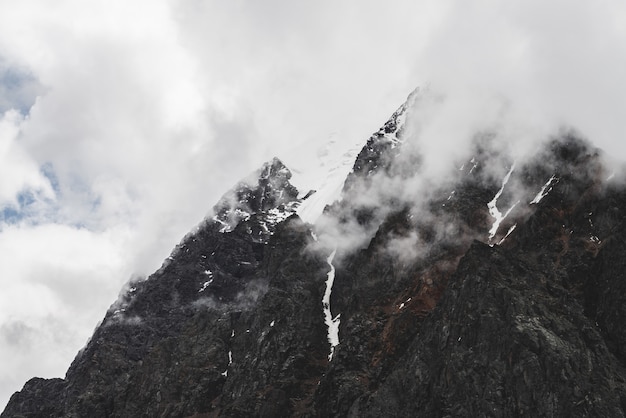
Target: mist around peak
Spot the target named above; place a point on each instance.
(456, 170)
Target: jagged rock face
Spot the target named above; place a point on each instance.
(489, 297)
(504, 341)
(266, 196)
(439, 338)
(172, 343)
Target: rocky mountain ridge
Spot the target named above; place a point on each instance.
(497, 292)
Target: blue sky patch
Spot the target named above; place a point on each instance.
(18, 89)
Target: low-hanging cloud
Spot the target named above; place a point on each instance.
(147, 112)
(556, 64)
(436, 156)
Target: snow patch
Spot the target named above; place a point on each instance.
(205, 285)
(231, 218)
(230, 361)
(225, 227)
(493, 208)
(328, 190)
(474, 165)
(403, 304)
(328, 178)
(275, 216)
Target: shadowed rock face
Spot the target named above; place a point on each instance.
(437, 318)
(504, 340)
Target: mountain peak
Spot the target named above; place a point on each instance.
(497, 290)
(266, 193)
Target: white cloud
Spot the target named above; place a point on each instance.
(149, 110)
(18, 171)
(557, 63)
(53, 279)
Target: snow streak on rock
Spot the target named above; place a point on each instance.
(511, 229)
(230, 361)
(206, 284)
(474, 164)
(403, 304)
(236, 214)
(225, 227)
(545, 190)
(276, 216)
(331, 323)
(493, 208)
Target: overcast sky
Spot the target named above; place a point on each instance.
(122, 122)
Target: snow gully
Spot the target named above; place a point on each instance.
(545, 190)
(331, 323)
(493, 209)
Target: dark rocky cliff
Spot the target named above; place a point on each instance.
(438, 316)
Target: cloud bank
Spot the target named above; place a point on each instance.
(122, 123)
